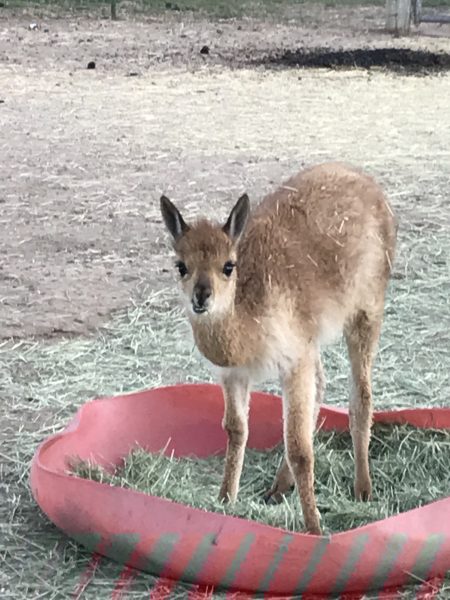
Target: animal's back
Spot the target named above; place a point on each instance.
(322, 237)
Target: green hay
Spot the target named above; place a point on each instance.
(409, 466)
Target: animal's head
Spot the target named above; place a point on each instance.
(207, 257)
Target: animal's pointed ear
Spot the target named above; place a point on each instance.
(238, 218)
(172, 218)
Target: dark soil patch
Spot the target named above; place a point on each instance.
(400, 60)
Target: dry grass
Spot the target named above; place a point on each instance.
(393, 126)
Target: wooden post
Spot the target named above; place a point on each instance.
(398, 16)
(114, 10)
(417, 12)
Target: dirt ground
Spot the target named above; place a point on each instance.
(86, 153)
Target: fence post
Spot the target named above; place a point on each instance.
(417, 12)
(114, 10)
(398, 16)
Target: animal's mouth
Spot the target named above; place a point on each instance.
(199, 309)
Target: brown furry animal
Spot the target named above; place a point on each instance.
(266, 290)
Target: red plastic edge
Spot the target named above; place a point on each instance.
(175, 541)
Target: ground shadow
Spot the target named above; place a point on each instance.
(399, 60)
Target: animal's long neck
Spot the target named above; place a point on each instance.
(229, 341)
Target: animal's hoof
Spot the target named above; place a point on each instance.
(272, 498)
(363, 491)
(314, 530)
(275, 495)
(312, 523)
(226, 497)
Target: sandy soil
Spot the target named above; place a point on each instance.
(85, 154)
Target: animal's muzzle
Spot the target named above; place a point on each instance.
(202, 293)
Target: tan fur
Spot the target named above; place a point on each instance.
(313, 262)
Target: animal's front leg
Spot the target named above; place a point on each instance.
(236, 391)
(284, 481)
(299, 414)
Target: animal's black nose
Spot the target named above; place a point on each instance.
(201, 294)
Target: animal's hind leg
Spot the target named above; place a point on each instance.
(284, 483)
(320, 388)
(362, 333)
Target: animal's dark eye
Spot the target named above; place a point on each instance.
(181, 268)
(228, 268)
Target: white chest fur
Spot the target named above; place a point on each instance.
(280, 350)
